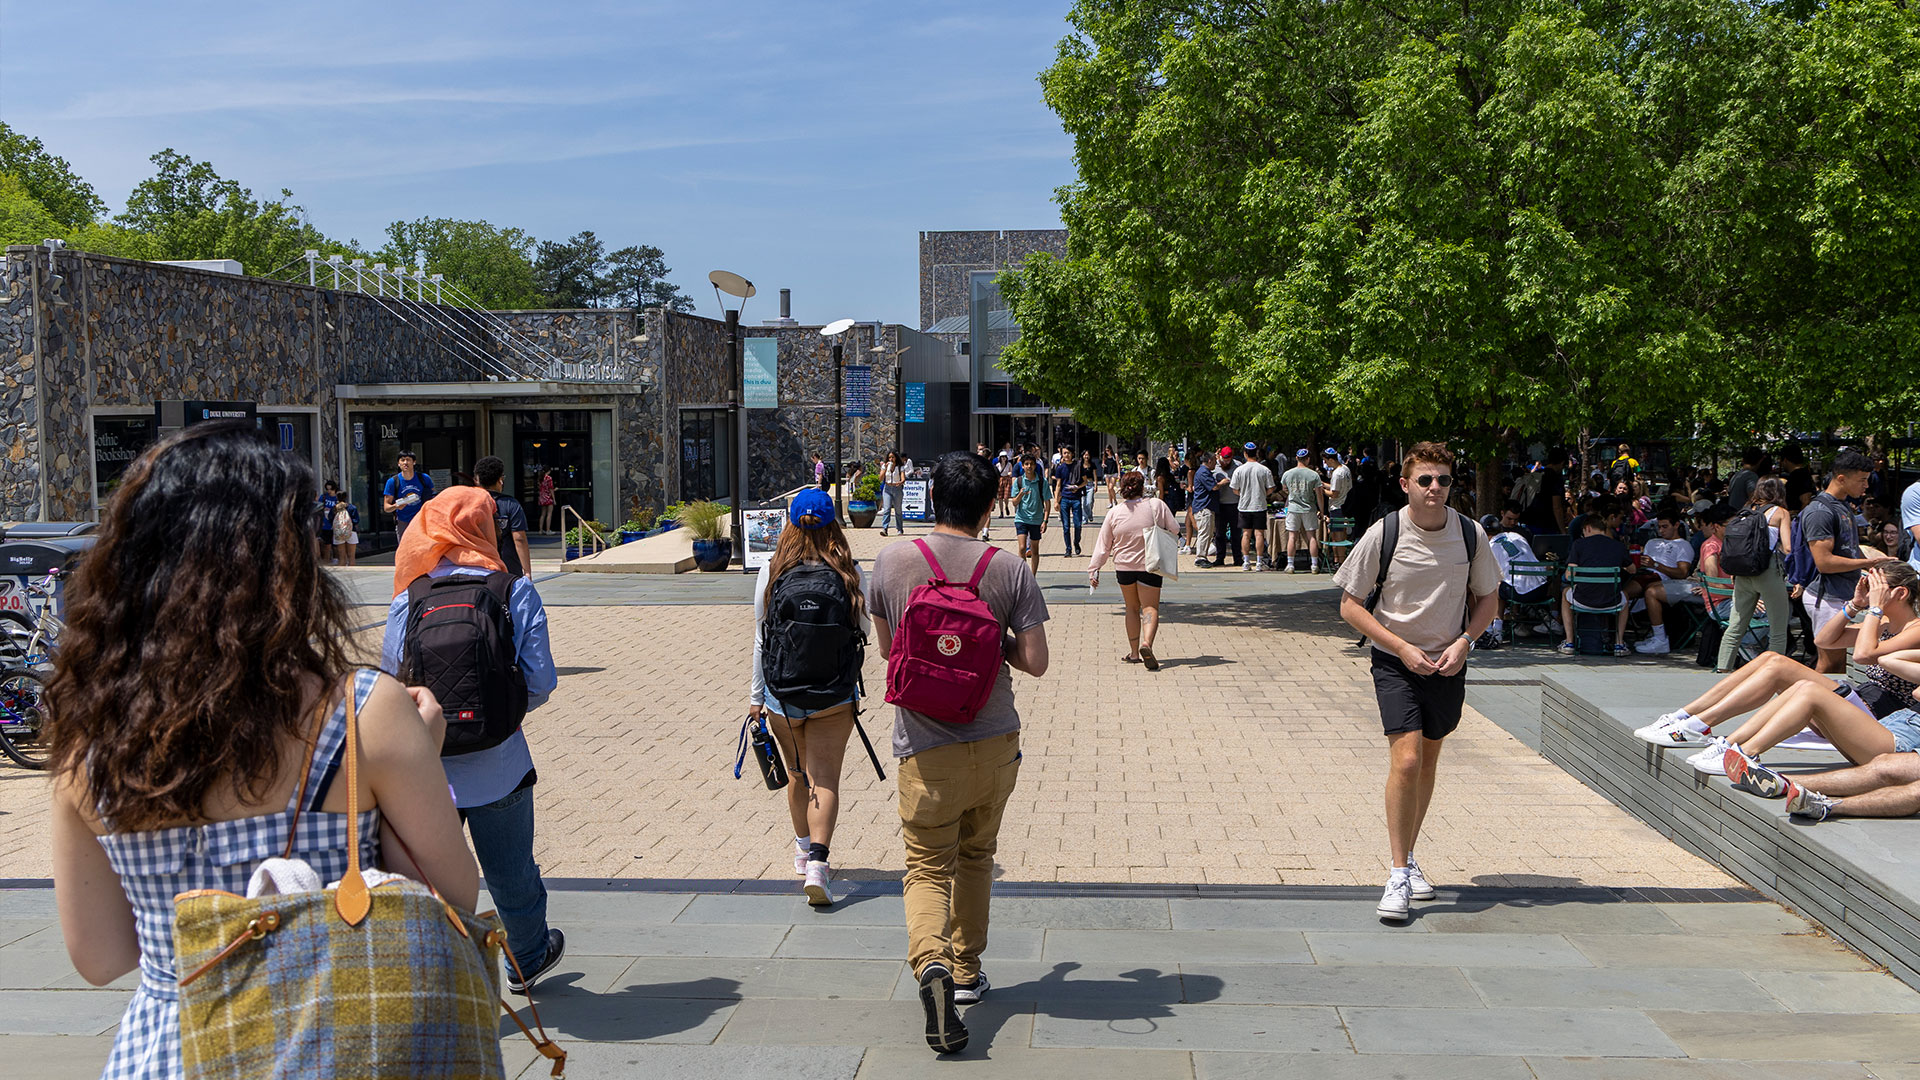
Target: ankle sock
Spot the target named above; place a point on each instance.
(1399, 874)
(816, 853)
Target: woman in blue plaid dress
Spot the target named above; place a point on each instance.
(199, 721)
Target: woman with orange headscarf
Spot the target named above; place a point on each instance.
(454, 535)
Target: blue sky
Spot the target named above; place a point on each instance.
(800, 144)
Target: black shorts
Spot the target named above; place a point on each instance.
(1137, 577)
(1428, 704)
(1253, 520)
(1539, 594)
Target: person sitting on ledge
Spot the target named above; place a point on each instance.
(1886, 787)
(1859, 719)
(1768, 677)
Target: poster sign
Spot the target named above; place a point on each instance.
(763, 535)
(286, 435)
(762, 359)
(913, 500)
(916, 403)
(859, 390)
(359, 436)
(117, 440)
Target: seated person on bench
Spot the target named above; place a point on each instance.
(1596, 548)
(1509, 545)
(1671, 557)
(1886, 787)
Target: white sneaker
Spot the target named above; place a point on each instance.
(1668, 731)
(1393, 902)
(1417, 884)
(1656, 645)
(971, 993)
(800, 856)
(816, 886)
(1710, 761)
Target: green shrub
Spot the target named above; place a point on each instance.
(702, 519)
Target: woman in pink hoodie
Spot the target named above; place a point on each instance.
(1123, 536)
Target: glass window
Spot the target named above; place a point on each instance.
(117, 440)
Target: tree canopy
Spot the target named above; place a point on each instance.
(1513, 217)
(187, 210)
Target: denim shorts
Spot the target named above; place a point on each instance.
(1029, 528)
(1905, 725)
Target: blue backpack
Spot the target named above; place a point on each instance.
(1800, 568)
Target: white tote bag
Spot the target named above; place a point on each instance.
(1163, 553)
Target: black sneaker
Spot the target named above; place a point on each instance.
(556, 948)
(971, 993)
(1202, 564)
(945, 1033)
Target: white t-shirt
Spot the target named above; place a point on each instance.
(1341, 482)
(1670, 552)
(1509, 548)
(1252, 481)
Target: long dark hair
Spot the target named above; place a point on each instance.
(197, 628)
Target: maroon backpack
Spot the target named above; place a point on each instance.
(947, 650)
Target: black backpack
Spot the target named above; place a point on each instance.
(1746, 550)
(811, 649)
(459, 644)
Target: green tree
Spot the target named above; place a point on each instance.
(51, 182)
(494, 266)
(23, 220)
(1433, 219)
(194, 213)
(571, 273)
(636, 276)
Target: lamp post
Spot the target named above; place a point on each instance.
(732, 284)
(832, 332)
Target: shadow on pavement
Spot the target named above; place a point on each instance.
(637, 1012)
(1143, 994)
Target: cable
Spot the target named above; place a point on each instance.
(474, 348)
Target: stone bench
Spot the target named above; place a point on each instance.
(1856, 877)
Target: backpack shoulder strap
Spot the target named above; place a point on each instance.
(1467, 538)
(1389, 540)
(927, 553)
(418, 589)
(980, 569)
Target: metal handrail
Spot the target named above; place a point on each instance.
(599, 540)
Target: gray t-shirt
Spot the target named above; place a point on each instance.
(1009, 589)
(1303, 490)
(1251, 482)
(1827, 518)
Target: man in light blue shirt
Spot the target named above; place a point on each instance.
(1910, 520)
(494, 787)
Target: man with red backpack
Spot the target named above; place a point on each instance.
(952, 614)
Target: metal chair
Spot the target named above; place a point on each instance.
(1595, 575)
(1539, 611)
(1719, 592)
(1344, 526)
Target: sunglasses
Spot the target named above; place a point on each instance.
(1445, 480)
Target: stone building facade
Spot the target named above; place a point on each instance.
(948, 261)
(608, 400)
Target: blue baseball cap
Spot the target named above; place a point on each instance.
(813, 503)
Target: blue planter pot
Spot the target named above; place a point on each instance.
(667, 524)
(861, 512)
(628, 536)
(573, 552)
(713, 555)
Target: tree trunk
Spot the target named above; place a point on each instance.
(1486, 486)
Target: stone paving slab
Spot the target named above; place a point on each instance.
(55, 1057)
(1216, 1066)
(1447, 950)
(1775, 952)
(1794, 1036)
(1635, 988)
(1597, 1032)
(1122, 1025)
(1005, 1063)
(1838, 991)
(1177, 946)
(1548, 1068)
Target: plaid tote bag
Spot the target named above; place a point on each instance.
(386, 982)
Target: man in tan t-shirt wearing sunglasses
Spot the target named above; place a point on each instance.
(1438, 593)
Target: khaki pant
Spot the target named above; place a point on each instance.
(1203, 534)
(951, 800)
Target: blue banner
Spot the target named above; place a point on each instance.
(916, 403)
(762, 359)
(859, 390)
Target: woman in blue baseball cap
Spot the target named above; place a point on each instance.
(810, 638)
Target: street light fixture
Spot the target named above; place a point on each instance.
(832, 332)
(732, 284)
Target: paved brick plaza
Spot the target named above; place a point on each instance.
(1252, 757)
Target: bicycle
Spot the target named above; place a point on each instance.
(23, 714)
(33, 642)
